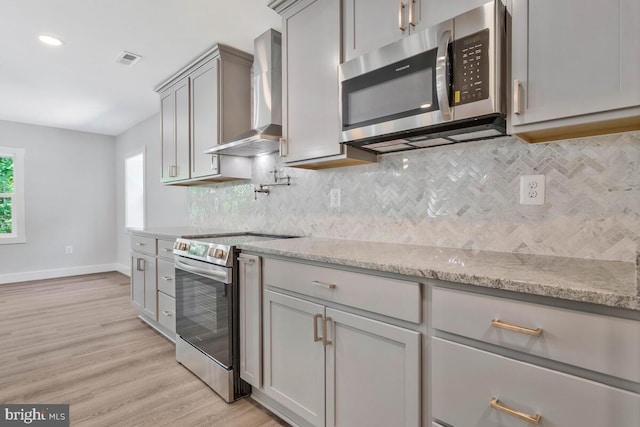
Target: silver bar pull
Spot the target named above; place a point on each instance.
(140, 264)
(167, 278)
(139, 244)
(517, 105)
(316, 338)
(168, 249)
(323, 285)
(284, 147)
(441, 74)
(168, 313)
(325, 328)
(412, 13)
(401, 8)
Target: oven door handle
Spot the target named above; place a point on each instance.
(216, 275)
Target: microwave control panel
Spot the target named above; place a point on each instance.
(471, 68)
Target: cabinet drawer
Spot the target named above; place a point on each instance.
(394, 298)
(600, 343)
(166, 277)
(143, 244)
(165, 249)
(167, 311)
(465, 380)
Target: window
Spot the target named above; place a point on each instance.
(134, 190)
(12, 228)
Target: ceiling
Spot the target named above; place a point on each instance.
(80, 85)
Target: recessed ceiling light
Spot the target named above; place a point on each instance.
(50, 40)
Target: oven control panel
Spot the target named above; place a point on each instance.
(217, 253)
(210, 252)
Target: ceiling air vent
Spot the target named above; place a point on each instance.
(129, 59)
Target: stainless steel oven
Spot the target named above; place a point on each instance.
(207, 335)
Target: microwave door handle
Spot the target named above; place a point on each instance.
(441, 75)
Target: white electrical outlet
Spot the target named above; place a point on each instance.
(68, 250)
(532, 189)
(335, 198)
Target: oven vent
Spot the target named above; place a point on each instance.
(127, 58)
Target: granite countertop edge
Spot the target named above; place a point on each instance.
(562, 288)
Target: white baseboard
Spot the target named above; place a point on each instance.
(124, 269)
(58, 272)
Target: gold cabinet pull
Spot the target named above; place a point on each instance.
(323, 285)
(401, 8)
(497, 323)
(412, 13)
(531, 419)
(325, 328)
(316, 338)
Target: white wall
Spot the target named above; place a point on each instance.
(166, 206)
(69, 201)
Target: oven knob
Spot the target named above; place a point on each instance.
(219, 254)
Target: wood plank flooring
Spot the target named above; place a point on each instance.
(78, 340)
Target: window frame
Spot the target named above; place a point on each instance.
(128, 157)
(18, 234)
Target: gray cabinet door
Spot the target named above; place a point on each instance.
(371, 24)
(569, 66)
(182, 129)
(311, 55)
(205, 83)
(174, 112)
(293, 360)
(384, 357)
(250, 287)
(143, 284)
(168, 134)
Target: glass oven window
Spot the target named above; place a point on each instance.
(203, 316)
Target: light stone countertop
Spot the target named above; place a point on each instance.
(609, 283)
(172, 233)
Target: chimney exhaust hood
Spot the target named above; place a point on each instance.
(266, 101)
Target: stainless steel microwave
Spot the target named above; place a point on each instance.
(443, 85)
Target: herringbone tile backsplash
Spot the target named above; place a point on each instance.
(459, 196)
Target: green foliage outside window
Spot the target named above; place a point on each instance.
(6, 186)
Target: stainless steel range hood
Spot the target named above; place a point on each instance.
(266, 94)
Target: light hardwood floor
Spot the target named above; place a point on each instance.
(78, 340)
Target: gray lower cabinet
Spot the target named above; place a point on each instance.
(508, 363)
(330, 366)
(143, 275)
(250, 313)
(152, 282)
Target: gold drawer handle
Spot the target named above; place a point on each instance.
(323, 285)
(531, 419)
(497, 323)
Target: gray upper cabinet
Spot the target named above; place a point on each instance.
(202, 105)
(574, 76)
(174, 106)
(312, 41)
(204, 119)
(368, 25)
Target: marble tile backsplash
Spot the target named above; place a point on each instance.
(459, 196)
